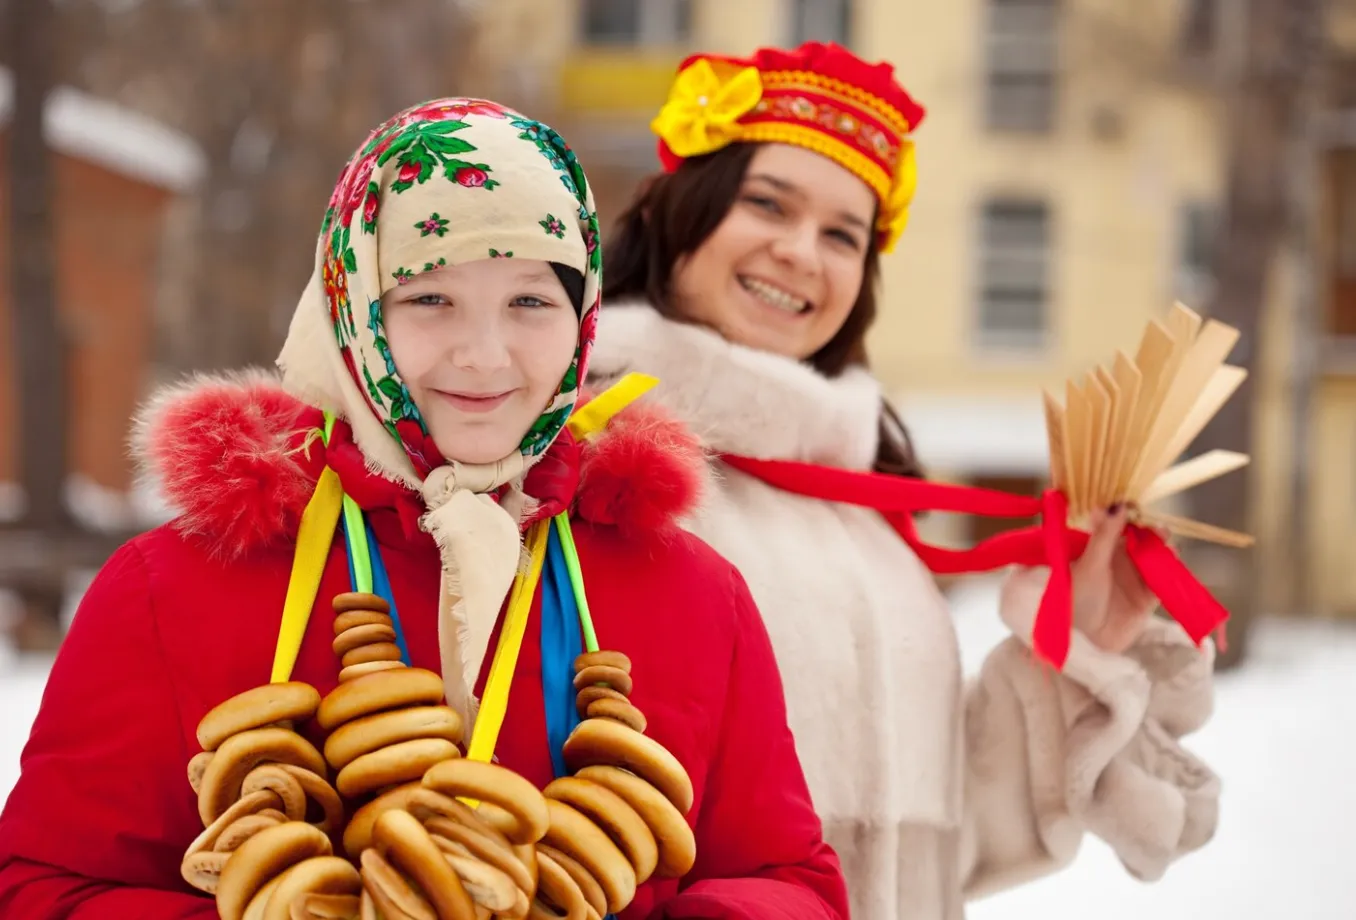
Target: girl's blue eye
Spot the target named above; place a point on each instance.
(528, 300)
(429, 300)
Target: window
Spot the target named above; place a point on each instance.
(1022, 64)
(1013, 271)
(820, 21)
(637, 22)
(1194, 275)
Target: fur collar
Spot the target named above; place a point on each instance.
(226, 452)
(738, 400)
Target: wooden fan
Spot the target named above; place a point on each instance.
(1120, 429)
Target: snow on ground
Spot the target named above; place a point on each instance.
(1283, 738)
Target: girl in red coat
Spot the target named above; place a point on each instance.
(426, 419)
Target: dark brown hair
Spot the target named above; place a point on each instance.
(673, 215)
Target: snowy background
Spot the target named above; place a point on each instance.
(1283, 738)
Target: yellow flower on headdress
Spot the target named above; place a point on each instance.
(894, 216)
(703, 109)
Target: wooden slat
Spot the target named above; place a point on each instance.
(1100, 408)
(1155, 363)
(1216, 393)
(1196, 530)
(1205, 356)
(1128, 381)
(1077, 435)
(1193, 472)
(1054, 435)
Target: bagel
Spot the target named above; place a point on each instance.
(587, 696)
(375, 651)
(575, 835)
(359, 600)
(367, 909)
(615, 678)
(486, 885)
(588, 885)
(527, 855)
(392, 897)
(255, 708)
(358, 834)
(367, 634)
(622, 824)
(393, 765)
(677, 843)
(265, 856)
(377, 692)
(202, 870)
(255, 911)
(602, 741)
(605, 659)
(243, 829)
(522, 905)
(363, 736)
(284, 785)
(481, 847)
(398, 836)
(351, 618)
(322, 794)
(623, 711)
(245, 805)
(318, 875)
(495, 785)
(494, 817)
(196, 767)
(427, 804)
(367, 667)
(326, 906)
(240, 754)
(558, 891)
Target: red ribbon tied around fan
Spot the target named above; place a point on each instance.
(1053, 543)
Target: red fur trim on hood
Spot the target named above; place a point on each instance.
(224, 452)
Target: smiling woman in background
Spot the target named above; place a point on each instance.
(744, 277)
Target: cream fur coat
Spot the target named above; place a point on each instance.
(931, 789)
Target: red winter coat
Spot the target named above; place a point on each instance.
(187, 615)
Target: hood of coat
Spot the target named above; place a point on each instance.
(739, 400)
(233, 454)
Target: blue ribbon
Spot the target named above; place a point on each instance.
(561, 644)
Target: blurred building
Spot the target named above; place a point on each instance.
(115, 173)
(1071, 168)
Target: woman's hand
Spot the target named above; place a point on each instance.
(1111, 603)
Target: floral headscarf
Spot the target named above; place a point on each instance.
(416, 197)
(447, 182)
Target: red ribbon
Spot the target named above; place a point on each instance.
(1053, 543)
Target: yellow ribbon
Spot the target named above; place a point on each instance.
(704, 107)
(593, 417)
(494, 705)
(314, 537)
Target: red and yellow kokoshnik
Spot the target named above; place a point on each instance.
(820, 97)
